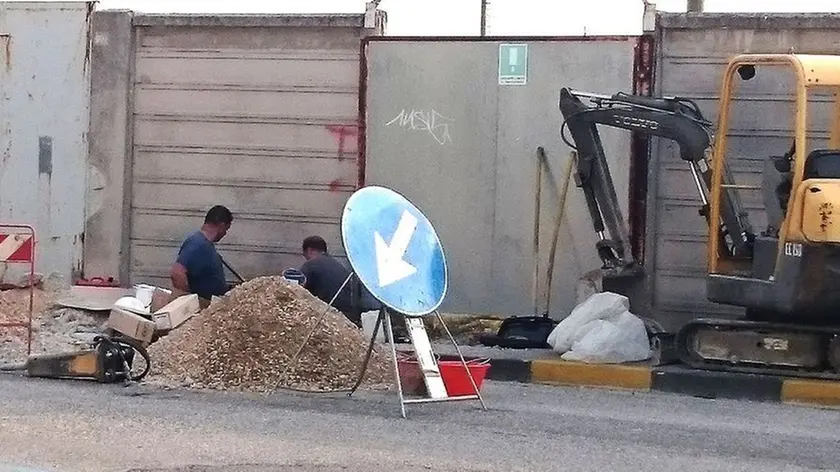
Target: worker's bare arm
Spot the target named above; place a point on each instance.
(178, 276)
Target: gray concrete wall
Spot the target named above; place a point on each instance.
(44, 74)
(693, 50)
(473, 170)
(257, 112)
(108, 189)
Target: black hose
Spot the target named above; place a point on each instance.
(143, 353)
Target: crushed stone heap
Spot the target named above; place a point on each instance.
(245, 340)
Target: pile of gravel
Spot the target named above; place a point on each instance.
(245, 340)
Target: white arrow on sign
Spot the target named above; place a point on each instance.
(389, 258)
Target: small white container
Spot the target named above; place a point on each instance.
(144, 293)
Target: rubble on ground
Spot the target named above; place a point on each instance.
(466, 329)
(245, 340)
(54, 329)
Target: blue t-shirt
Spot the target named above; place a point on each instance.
(204, 266)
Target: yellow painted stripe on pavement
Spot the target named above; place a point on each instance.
(635, 377)
(822, 392)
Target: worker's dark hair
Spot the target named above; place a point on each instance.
(217, 215)
(315, 242)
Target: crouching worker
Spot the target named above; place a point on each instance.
(325, 275)
(198, 268)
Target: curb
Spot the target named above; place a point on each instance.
(558, 372)
(712, 384)
(667, 379)
(813, 392)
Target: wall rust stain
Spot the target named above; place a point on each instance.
(91, 6)
(6, 40)
(341, 133)
(335, 185)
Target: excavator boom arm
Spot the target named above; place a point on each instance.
(676, 119)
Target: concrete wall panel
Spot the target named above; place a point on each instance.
(44, 74)
(442, 131)
(256, 112)
(273, 139)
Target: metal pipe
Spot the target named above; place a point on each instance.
(390, 327)
(463, 361)
(224, 262)
(483, 18)
(537, 200)
(696, 174)
(440, 400)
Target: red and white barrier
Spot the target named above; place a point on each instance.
(17, 246)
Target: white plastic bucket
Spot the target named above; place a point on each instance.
(144, 293)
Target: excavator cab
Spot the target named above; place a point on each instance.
(790, 271)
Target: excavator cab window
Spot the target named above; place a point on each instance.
(823, 164)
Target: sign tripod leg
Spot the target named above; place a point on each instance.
(294, 358)
(363, 370)
(463, 361)
(389, 326)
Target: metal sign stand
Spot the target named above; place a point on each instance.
(426, 359)
(395, 253)
(422, 349)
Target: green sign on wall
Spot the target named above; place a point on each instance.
(513, 64)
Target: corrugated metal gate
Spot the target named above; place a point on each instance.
(692, 53)
(262, 120)
(441, 130)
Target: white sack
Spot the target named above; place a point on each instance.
(611, 341)
(598, 306)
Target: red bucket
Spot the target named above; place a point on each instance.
(456, 379)
(454, 376)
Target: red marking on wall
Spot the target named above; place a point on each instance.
(341, 133)
(335, 185)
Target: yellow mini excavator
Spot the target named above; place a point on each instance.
(787, 276)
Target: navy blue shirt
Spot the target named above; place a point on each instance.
(205, 273)
(324, 276)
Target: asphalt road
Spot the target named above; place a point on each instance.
(79, 426)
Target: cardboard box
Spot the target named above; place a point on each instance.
(131, 324)
(161, 298)
(176, 312)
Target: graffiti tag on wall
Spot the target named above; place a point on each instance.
(430, 121)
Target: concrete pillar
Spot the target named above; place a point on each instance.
(108, 204)
(695, 6)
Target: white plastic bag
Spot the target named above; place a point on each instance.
(614, 340)
(598, 306)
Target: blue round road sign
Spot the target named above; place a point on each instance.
(394, 251)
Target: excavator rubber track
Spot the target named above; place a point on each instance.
(756, 347)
